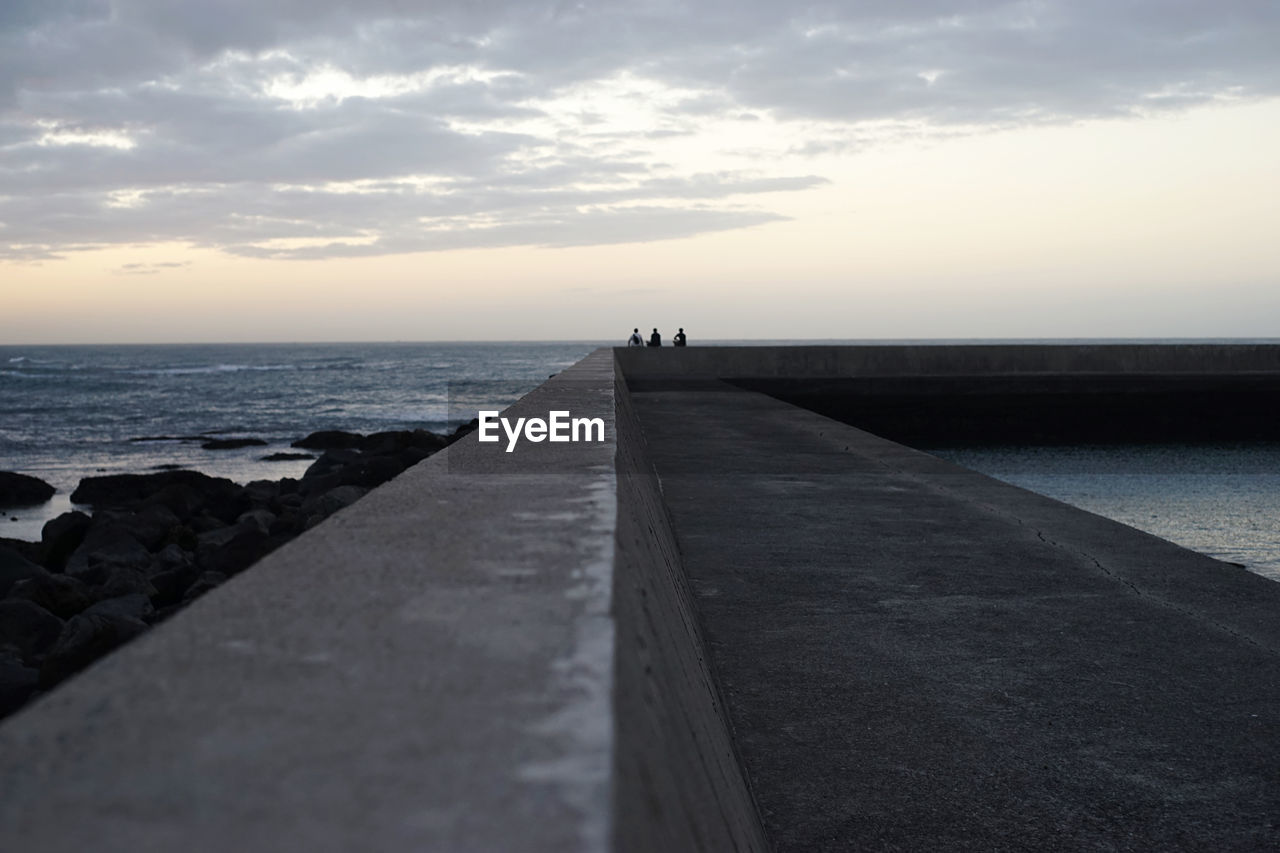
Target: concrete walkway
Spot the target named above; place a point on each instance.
(915, 656)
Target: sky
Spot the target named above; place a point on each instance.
(317, 170)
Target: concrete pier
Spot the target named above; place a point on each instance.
(916, 657)
(733, 625)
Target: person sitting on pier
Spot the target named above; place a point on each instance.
(679, 340)
(635, 340)
(655, 340)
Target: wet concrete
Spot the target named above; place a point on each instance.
(915, 656)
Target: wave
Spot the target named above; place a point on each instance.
(210, 368)
(238, 368)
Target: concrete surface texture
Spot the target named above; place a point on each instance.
(734, 624)
(918, 657)
(815, 362)
(431, 669)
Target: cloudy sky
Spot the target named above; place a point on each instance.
(514, 169)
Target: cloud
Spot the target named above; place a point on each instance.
(317, 128)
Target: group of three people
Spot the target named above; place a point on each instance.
(655, 340)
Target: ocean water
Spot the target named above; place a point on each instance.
(68, 412)
(1219, 499)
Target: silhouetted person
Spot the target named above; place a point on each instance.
(655, 340)
(679, 340)
(635, 340)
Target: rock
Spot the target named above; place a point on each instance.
(61, 536)
(173, 557)
(28, 627)
(151, 524)
(62, 595)
(463, 429)
(394, 442)
(133, 606)
(261, 493)
(127, 490)
(22, 490)
(233, 549)
(84, 639)
(18, 683)
(259, 518)
(172, 584)
(286, 457)
(331, 501)
(232, 443)
(105, 547)
(330, 440)
(203, 584)
(13, 568)
(371, 471)
(124, 580)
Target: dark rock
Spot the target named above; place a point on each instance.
(84, 639)
(171, 585)
(182, 500)
(394, 442)
(261, 493)
(204, 583)
(27, 550)
(184, 536)
(288, 486)
(330, 462)
(151, 524)
(172, 572)
(319, 483)
(172, 557)
(331, 501)
(28, 627)
(62, 595)
(411, 456)
(232, 443)
(464, 429)
(259, 518)
(105, 547)
(22, 490)
(286, 457)
(124, 580)
(133, 606)
(233, 549)
(372, 472)
(203, 524)
(18, 683)
(330, 440)
(126, 490)
(13, 568)
(61, 536)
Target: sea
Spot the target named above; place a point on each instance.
(68, 412)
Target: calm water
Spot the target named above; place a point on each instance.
(69, 412)
(1220, 499)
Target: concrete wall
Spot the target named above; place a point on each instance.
(945, 359)
(491, 652)
(679, 784)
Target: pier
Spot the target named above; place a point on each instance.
(752, 618)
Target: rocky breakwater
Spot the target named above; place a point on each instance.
(156, 542)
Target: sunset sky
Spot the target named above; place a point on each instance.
(284, 170)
